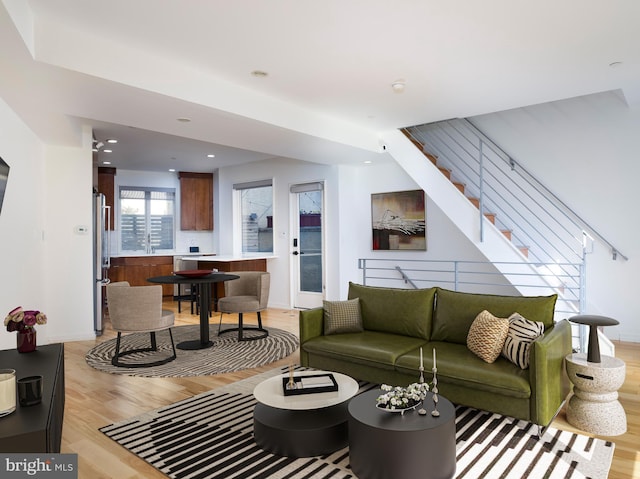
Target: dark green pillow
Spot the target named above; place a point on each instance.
(455, 311)
(407, 312)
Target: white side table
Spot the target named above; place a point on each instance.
(594, 405)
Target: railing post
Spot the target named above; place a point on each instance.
(362, 264)
(455, 276)
(481, 200)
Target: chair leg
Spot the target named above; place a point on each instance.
(242, 328)
(154, 347)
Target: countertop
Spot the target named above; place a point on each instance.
(230, 258)
(185, 255)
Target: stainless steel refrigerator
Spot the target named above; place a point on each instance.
(102, 262)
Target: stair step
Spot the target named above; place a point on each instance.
(445, 172)
(433, 158)
(475, 202)
(507, 234)
(524, 250)
(460, 186)
(491, 217)
(418, 145)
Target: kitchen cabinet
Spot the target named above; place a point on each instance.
(136, 269)
(196, 201)
(106, 186)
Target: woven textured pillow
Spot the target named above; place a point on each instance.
(342, 316)
(487, 335)
(522, 332)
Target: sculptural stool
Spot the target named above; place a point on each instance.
(594, 405)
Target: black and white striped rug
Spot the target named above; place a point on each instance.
(211, 436)
(226, 355)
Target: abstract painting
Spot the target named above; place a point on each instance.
(399, 221)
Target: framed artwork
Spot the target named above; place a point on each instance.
(398, 221)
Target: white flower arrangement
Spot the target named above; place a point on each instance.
(399, 398)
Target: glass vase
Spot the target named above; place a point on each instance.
(26, 340)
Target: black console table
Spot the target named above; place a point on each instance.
(38, 428)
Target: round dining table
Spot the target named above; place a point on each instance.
(204, 302)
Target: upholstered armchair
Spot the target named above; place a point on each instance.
(135, 309)
(247, 294)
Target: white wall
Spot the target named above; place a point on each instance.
(585, 150)
(68, 271)
(357, 184)
(22, 281)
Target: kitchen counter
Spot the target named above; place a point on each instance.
(186, 255)
(229, 258)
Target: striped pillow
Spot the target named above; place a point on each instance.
(522, 332)
(342, 316)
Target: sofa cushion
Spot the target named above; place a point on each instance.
(455, 311)
(342, 316)
(457, 365)
(406, 312)
(521, 334)
(487, 335)
(368, 347)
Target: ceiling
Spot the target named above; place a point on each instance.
(131, 70)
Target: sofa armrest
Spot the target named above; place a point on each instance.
(311, 326)
(549, 381)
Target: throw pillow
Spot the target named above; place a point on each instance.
(487, 335)
(342, 316)
(522, 332)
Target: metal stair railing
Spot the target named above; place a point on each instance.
(536, 218)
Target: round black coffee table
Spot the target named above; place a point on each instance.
(302, 425)
(385, 445)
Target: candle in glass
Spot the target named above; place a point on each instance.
(434, 358)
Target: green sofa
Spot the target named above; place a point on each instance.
(398, 322)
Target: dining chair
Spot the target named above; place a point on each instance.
(247, 294)
(136, 309)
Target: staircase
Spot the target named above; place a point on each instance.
(475, 201)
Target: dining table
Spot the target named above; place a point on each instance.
(204, 280)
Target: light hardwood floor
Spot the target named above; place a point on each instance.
(95, 399)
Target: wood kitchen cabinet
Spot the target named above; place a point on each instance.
(106, 186)
(136, 269)
(196, 201)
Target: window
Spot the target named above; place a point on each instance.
(256, 215)
(147, 218)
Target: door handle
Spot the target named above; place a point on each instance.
(295, 253)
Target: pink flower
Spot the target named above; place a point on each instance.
(18, 319)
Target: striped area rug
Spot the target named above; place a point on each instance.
(226, 355)
(210, 436)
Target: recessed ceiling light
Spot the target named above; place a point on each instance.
(172, 170)
(184, 119)
(259, 73)
(108, 151)
(211, 156)
(106, 162)
(367, 162)
(398, 86)
(112, 140)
